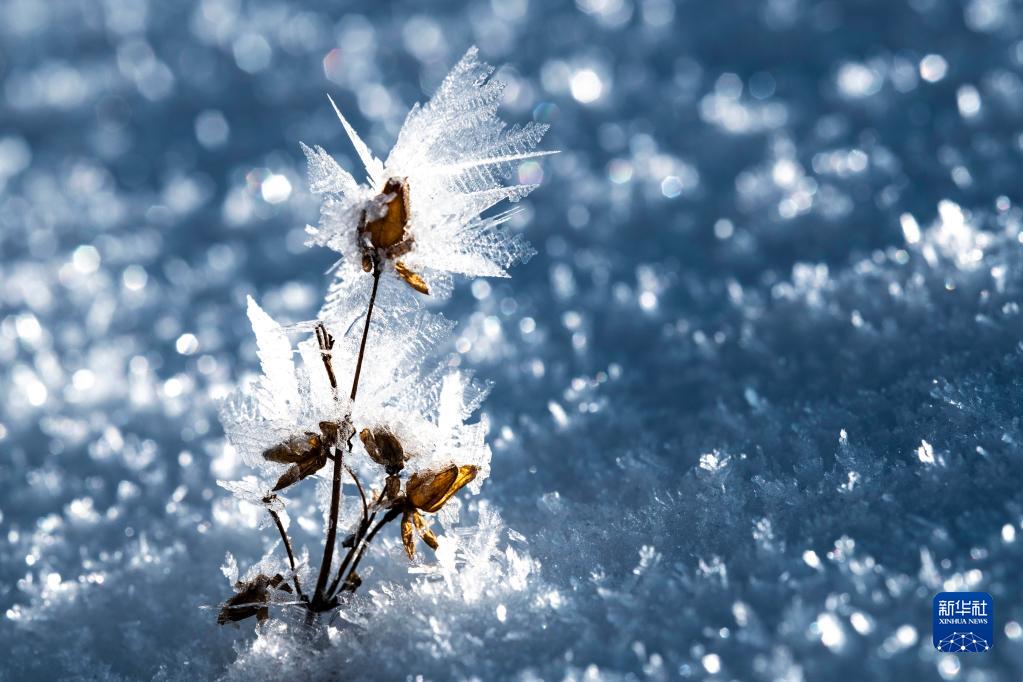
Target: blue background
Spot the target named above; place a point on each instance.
(757, 398)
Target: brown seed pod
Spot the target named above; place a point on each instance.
(389, 229)
(251, 599)
(384, 448)
(388, 236)
(429, 490)
(424, 530)
(408, 538)
(306, 454)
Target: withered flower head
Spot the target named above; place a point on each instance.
(306, 454)
(428, 491)
(384, 235)
(384, 448)
(444, 172)
(252, 599)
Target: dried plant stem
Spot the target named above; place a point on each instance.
(362, 493)
(377, 271)
(356, 545)
(287, 546)
(391, 515)
(320, 601)
(326, 342)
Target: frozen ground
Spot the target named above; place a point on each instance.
(757, 399)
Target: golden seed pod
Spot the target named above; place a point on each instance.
(408, 539)
(389, 229)
(388, 235)
(411, 278)
(384, 448)
(429, 490)
(428, 535)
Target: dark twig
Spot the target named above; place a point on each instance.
(326, 342)
(391, 515)
(287, 545)
(377, 271)
(360, 533)
(362, 493)
(319, 598)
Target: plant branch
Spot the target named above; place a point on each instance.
(287, 545)
(356, 544)
(391, 515)
(319, 597)
(362, 493)
(377, 271)
(326, 342)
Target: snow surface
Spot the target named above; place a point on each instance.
(756, 399)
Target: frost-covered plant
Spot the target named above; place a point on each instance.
(420, 217)
(419, 212)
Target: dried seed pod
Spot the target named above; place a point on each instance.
(408, 538)
(384, 448)
(294, 450)
(389, 229)
(306, 454)
(252, 599)
(429, 490)
(386, 235)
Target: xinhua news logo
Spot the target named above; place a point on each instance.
(964, 622)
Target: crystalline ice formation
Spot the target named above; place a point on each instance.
(455, 154)
(431, 425)
(426, 410)
(282, 403)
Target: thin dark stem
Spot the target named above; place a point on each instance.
(377, 271)
(319, 597)
(326, 342)
(392, 514)
(362, 493)
(287, 545)
(359, 535)
(356, 545)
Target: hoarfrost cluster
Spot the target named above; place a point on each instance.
(414, 223)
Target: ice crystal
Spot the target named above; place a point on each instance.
(426, 410)
(256, 491)
(455, 154)
(285, 401)
(431, 426)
